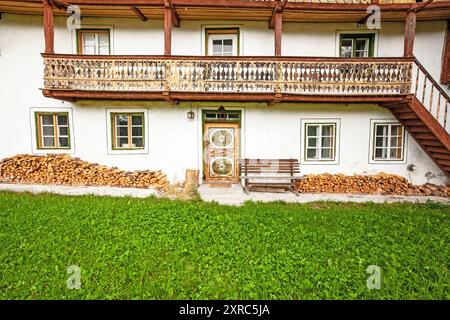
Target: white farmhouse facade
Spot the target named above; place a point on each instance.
(348, 130)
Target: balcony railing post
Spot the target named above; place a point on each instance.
(169, 65)
(278, 70)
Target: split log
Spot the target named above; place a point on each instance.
(65, 170)
(382, 183)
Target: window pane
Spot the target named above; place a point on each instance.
(312, 130)
(63, 142)
(381, 130)
(88, 50)
(380, 153)
(327, 130)
(138, 142)
(311, 154)
(137, 131)
(361, 54)
(396, 130)
(103, 40)
(88, 39)
(63, 131)
(122, 120)
(228, 46)
(136, 120)
(381, 142)
(346, 48)
(103, 50)
(49, 142)
(62, 119)
(395, 142)
(122, 131)
(47, 119)
(48, 131)
(327, 153)
(122, 143)
(312, 142)
(362, 44)
(395, 153)
(327, 142)
(217, 47)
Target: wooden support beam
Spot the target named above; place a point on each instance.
(138, 13)
(58, 4)
(175, 17)
(410, 27)
(445, 78)
(171, 18)
(49, 32)
(410, 33)
(276, 23)
(278, 32)
(167, 31)
(69, 95)
(278, 7)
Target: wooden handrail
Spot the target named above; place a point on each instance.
(228, 58)
(431, 79)
(433, 98)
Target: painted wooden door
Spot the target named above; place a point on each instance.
(221, 152)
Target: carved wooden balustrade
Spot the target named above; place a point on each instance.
(277, 75)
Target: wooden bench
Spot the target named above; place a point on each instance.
(269, 175)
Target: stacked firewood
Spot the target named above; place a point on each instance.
(383, 184)
(65, 170)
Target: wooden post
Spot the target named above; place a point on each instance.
(48, 27)
(191, 181)
(167, 28)
(410, 32)
(278, 23)
(446, 57)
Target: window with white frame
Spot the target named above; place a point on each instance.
(128, 131)
(388, 142)
(52, 130)
(93, 41)
(320, 141)
(222, 42)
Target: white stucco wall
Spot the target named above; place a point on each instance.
(321, 39)
(174, 143)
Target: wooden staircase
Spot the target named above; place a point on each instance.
(424, 115)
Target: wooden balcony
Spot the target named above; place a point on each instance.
(77, 77)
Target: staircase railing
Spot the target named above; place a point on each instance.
(430, 93)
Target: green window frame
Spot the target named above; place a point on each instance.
(357, 45)
(52, 130)
(128, 131)
(320, 141)
(388, 142)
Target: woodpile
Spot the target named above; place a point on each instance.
(65, 170)
(383, 184)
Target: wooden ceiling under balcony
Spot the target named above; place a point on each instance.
(256, 10)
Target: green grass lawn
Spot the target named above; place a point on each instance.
(163, 249)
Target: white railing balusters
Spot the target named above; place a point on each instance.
(430, 94)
